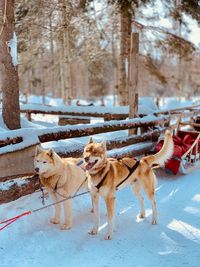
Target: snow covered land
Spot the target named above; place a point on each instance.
(33, 242)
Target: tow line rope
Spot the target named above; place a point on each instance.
(14, 219)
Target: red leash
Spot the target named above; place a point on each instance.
(13, 219)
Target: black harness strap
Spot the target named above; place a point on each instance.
(56, 186)
(101, 182)
(131, 170)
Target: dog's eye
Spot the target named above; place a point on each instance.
(44, 162)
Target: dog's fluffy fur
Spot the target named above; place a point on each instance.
(114, 171)
(64, 173)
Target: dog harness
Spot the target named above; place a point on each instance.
(131, 171)
(56, 186)
(101, 182)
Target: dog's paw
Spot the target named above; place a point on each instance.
(142, 215)
(54, 221)
(93, 231)
(108, 236)
(92, 210)
(154, 221)
(65, 226)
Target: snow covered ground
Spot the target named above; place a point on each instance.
(33, 242)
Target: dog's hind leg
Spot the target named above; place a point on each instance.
(68, 215)
(110, 204)
(154, 210)
(95, 202)
(149, 188)
(136, 188)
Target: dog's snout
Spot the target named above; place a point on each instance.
(37, 169)
(86, 159)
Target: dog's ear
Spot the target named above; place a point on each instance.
(90, 140)
(38, 150)
(50, 153)
(103, 143)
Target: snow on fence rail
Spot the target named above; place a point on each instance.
(114, 113)
(69, 131)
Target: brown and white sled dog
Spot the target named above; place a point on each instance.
(61, 177)
(106, 175)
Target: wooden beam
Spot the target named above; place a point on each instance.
(118, 143)
(102, 113)
(18, 162)
(105, 115)
(101, 128)
(11, 141)
(14, 190)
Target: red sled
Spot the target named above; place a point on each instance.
(186, 156)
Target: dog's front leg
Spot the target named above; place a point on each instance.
(57, 210)
(95, 201)
(68, 215)
(110, 204)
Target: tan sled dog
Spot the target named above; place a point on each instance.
(61, 177)
(106, 175)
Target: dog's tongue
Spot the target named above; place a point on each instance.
(89, 166)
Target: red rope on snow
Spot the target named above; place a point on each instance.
(13, 219)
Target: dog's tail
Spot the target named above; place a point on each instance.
(164, 154)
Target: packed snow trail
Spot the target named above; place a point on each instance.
(175, 241)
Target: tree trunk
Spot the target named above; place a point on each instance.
(125, 30)
(115, 64)
(53, 83)
(133, 78)
(66, 13)
(9, 69)
(62, 73)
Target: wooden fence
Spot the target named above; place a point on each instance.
(19, 162)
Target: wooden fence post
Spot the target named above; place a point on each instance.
(133, 78)
(28, 115)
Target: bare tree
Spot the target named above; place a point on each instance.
(126, 19)
(9, 70)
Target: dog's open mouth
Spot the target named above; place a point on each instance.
(90, 165)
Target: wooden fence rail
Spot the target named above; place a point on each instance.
(66, 132)
(106, 113)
